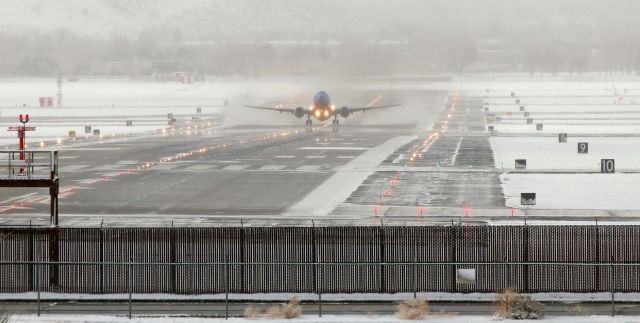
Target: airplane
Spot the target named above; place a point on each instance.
(322, 110)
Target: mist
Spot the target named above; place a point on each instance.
(143, 38)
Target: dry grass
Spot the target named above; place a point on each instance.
(274, 312)
(512, 305)
(4, 316)
(578, 310)
(412, 309)
(288, 310)
(252, 312)
(442, 313)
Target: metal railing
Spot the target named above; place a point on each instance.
(29, 164)
(318, 269)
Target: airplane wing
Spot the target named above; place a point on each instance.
(363, 109)
(270, 108)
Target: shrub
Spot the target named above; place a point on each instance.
(412, 309)
(274, 312)
(252, 312)
(512, 305)
(288, 310)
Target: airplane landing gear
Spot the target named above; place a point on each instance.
(309, 125)
(336, 125)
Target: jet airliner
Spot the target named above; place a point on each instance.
(322, 109)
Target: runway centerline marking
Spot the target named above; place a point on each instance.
(333, 148)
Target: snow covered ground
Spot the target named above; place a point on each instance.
(575, 191)
(107, 104)
(606, 116)
(436, 318)
(546, 153)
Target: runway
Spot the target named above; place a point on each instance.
(204, 168)
(437, 169)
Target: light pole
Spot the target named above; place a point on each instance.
(21, 134)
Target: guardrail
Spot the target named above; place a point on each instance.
(323, 272)
(32, 168)
(29, 164)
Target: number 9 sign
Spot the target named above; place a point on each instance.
(583, 148)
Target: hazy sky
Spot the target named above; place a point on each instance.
(315, 16)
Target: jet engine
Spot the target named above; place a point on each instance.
(298, 112)
(344, 112)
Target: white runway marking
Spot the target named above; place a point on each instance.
(165, 166)
(7, 201)
(199, 167)
(72, 168)
(333, 148)
(88, 181)
(272, 167)
(236, 167)
(90, 149)
(346, 157)
(127, 162)
(284, 156)
(338, 187)
(308, 167)
(106, 167)
(315, 156)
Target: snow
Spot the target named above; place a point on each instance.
(546, 153)
(575, 191)
(106, 104)
(436, 318)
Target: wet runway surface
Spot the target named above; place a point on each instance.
(197, 169)
(461, 163)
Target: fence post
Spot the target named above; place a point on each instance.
(102, 267)
(226, 287)
(319, 288)
(242, 255)
(597, 287)
(129, 283)
(453, 257)
(316, 281)
(525, 269)
(382, 257)
(415, 268)
(612, 282)
(38, 285)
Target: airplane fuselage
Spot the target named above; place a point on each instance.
(322, 109)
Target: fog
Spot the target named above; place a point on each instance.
(254, 38)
